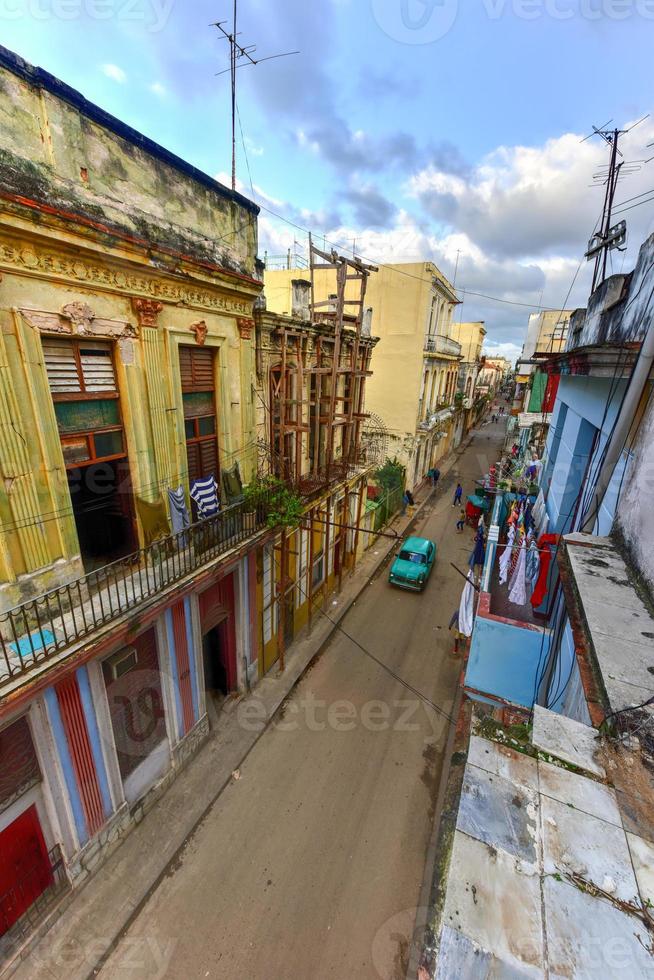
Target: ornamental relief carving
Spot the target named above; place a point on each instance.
(245, 327)
(200, 330)
(78, 319)
(53, 265)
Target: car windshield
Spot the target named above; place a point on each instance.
(414, 557)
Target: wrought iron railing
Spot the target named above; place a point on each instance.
(34, 894)
(41, 628)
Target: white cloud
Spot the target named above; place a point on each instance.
(115, 73)
(510, 351)
(158, 89)
(522, 201)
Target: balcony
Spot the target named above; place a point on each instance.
(435, 418)
(442, 345)
(46, 628)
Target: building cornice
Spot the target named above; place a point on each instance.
(33, 253)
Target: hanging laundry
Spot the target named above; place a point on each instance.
(478, 555)
(544, 544)
(533, 565)
(179, 515)
(518, 593)
(466, 607)
(205, 494)
(505, 558)
(232, 484)
(153, 520)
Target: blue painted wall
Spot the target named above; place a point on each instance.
(504, 660)
(583, 407)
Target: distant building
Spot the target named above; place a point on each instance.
(416, 364)
(547, 334)
(471, 337)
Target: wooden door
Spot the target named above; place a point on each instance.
(25, 871)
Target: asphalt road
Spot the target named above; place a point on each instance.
(310, 864)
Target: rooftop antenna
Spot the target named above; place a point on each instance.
(240, 56)
(609, 236)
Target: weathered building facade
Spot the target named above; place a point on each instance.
(471, 338)
(126, 365)
(414, 383)
(312, 369)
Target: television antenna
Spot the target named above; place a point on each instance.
(610, 236)
(240, 56)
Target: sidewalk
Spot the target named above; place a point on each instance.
(87, 925)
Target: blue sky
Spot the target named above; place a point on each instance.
(418, 128)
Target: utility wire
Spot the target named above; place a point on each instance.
(389, 670)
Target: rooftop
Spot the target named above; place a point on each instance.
(549, 872)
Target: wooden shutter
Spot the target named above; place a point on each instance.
(97, 367)
(61, 366)
(74, 367)
(196, 369)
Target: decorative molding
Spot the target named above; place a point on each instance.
(79, 321)
(147, 311)
(200, 330)
(53, 265)
(245, 327)
(80, 315)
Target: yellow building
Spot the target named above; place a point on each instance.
(471, 338)
(416, 364)
(127, 355)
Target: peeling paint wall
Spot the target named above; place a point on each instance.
(635, 514)
(55, 150)
(620, 309)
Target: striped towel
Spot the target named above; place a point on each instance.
(179, 515)
(205, 494)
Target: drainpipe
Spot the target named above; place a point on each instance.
(621, 429)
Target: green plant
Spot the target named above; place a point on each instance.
(391, 474)
(283, 506)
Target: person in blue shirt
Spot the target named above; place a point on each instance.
(458, 493)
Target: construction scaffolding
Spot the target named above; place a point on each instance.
(317, 392)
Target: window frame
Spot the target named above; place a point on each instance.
(84, 395)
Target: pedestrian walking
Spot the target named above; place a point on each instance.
(461, 523)
(405, 502)
(412, 502)
(434, 475)
(458, 493)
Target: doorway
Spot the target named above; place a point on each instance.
(102, 507)
(215, 656)
(25, 871)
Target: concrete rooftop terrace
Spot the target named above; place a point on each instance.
(616, 620)
(550, 874)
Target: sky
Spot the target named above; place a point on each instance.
(408, 130)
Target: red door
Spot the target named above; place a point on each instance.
(25, 871)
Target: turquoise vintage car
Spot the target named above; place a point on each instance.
(413, 565)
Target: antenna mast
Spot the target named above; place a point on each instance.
(609, 236)
(237, 52)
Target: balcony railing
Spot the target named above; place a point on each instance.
(37, 630)
(442, 345)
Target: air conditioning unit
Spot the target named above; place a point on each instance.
(122, 662)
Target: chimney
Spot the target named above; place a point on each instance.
(300, 299)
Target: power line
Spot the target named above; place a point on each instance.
(389, 670)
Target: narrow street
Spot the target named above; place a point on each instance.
(310, 863)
